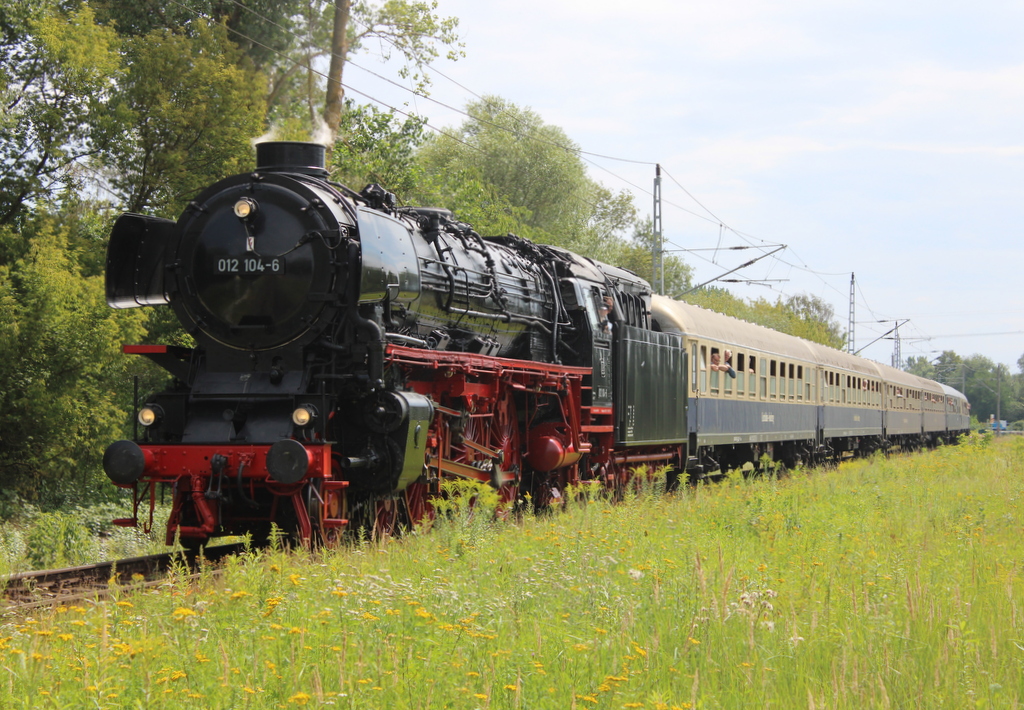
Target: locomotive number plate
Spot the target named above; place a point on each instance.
(250, 265)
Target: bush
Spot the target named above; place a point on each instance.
(59, 540)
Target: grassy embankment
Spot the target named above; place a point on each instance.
(885, 583)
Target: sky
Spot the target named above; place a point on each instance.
(881, 139)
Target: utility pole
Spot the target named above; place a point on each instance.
(657, 252)
(897, 356)
(851, 339)
(999, 395)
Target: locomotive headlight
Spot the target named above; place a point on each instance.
(246, 208)
(150, 415)
(303, 415)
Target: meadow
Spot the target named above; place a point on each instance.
(887, 582)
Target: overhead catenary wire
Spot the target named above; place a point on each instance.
(587, 156)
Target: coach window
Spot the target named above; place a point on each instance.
(693, 366)
(726, 380)
(799, 382)
(773, 378)
(703, 369)
(792, 381)
(752, 377)
(716, 361)
(741, 370)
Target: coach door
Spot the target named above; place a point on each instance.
(603, 324)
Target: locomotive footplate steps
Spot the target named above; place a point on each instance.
(220, 489)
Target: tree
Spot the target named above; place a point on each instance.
(61, 371)
(638, 258)
(799, 316)
(411, 28)
(986, 386)
(949, 369)
(189, 114)
(816, 320)
(374, 146)
(532, 164)
(263, 29)
(920, 366)
(534, 168)
(57, 74)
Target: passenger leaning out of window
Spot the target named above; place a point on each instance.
(717, 364)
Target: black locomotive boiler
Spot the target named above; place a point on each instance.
(350, 355)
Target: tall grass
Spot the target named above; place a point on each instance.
(883, 583)
(78, 536)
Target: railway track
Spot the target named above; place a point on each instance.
(44, 587)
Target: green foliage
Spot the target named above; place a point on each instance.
(374, 146)
(920, 366)
(262, 28)
(803, 316)
(534, 169)
(410, 28)
(190, 112)
(60, 369)
(57, 73)
(74, 535)
(58, 539)
(475, 202)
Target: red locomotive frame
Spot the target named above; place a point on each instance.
(478, 432)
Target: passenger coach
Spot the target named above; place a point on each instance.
(793, 400)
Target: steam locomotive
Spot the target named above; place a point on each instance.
(351, 355)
